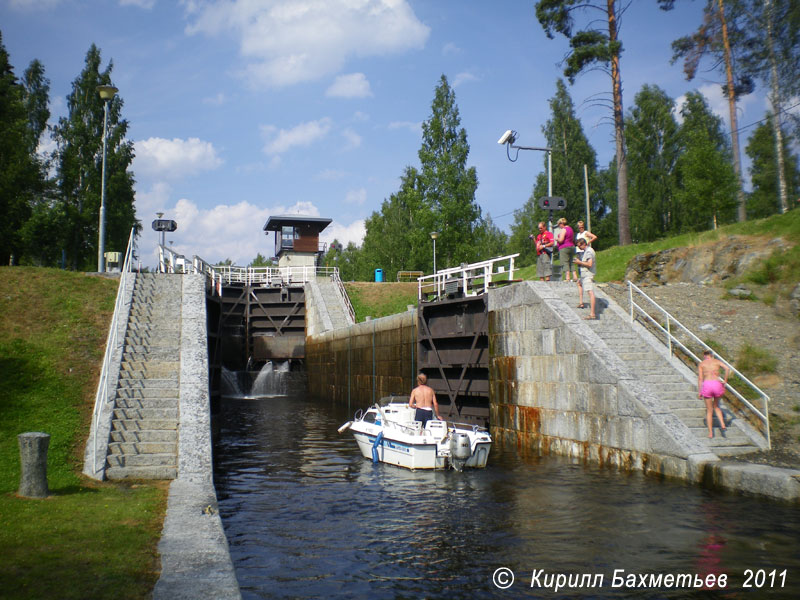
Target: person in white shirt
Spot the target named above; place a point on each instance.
(588, 264)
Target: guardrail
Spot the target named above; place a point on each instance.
(340, 286)
(669, 325)
(101, 397)
(469, 279)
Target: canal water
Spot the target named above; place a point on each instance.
(307, 517)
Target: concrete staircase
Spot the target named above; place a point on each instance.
(144, 428)
(334, 303)
(664, 379)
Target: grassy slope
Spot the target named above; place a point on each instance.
(87, 539)
(612, 263)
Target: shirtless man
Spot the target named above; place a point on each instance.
(710, 389)
(423, 399)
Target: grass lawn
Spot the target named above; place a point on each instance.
(88, 539)
(380, 299)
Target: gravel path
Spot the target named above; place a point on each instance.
(732, 323)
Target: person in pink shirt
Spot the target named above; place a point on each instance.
(566, 249)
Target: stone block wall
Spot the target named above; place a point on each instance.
(557, 388)
(360, 364)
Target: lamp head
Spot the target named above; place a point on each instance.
(107, 92)
(434, 235)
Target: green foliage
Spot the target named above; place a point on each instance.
(764, 200)
(707, 183)
(753, 361)
(439, 196)
(595, 46)
(571, 151)
(21, 172)
(79, 160)
(653, 151)
(261, 261)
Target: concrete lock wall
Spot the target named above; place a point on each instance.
(557, 388)
(360, 364)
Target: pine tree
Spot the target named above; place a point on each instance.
(570, 151)
(21, 173)
(707, 183)
(653, 151)
(721, 36)
(80, 145)
(448, 186)
(764, 200)
(595, 47)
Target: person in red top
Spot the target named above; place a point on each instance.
(544, 250)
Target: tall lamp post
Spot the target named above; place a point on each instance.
(107, 93)
(434, 235)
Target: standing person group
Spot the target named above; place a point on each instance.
(583, 257)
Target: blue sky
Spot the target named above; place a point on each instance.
(242, 109)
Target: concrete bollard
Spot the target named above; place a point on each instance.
(33, 457)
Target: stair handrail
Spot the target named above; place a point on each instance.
(101, 396)
(343, 292)
(672, 339)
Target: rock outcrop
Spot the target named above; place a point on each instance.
(707, 264)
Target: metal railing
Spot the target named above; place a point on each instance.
(269, 276)
(170, 261)
(670, 325)
(101, 397)
(340, 286)
(470, 279)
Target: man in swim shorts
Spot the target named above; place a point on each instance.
(711, 389)
(423, 399)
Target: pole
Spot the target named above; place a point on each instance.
(101, 244)
(586, 183)
(434, 256)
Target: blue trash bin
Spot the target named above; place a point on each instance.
(378, 275)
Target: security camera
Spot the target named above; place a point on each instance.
(507, 137)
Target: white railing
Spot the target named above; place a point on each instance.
(340, 286)
(471, 280)
(670, 325)
(101, 397)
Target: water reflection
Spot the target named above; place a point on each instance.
(307, 516)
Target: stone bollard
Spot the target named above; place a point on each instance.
(33, 457)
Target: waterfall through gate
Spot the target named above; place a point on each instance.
(271, 380)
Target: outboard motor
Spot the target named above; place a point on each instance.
(460, 450)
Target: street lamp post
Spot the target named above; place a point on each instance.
(107, 93)
(434, 235)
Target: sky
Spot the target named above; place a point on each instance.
(243, 109)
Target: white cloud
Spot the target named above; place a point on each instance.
(717, 102)
(152, 201)
(450, 48)
(331, 175)
(232, 231)
(357, 197)
(360, 116)
(217, 100)
(286, 42)
(352, 139)
(464, 77)
(413, 126)
(344, 233)
(302, 135)
(354, 85)
(146, 4)
(175, 158)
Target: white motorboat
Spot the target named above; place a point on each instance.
(389, 433)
